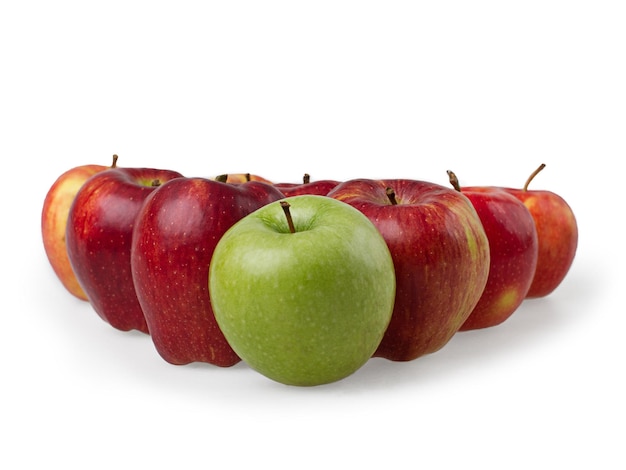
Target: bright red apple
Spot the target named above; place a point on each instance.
(175, 236)
(319, 187)
(513, 248)
(557, 234)
(440, 253)
(56, 207)
(99, 234)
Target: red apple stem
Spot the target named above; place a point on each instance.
(532, 176)
(391, 194)
(454, 181)
(221, 178)
(306, 178)
(114, 164)
(285, 205)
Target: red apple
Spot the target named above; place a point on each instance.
(175, 235)
(56, 207)
(557, 234)
(98, 237)
(440, 253)
(320, 187)
(513, 245)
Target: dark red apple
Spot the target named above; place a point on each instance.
(319, 187)
(98, 236)
(440, 253)
(175, 236)
(557, 234)
(513, 248)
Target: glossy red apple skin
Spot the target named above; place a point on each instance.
(557, 235)
(513, 247)
(176, 233)
(99, 234)
(319, 187)
(441, 258)
(54, 214)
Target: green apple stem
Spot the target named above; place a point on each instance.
(114, 164)
(221, 178)
(306, 179)
(454, 181)
(391, 194)
(532, 175)
(285, 205)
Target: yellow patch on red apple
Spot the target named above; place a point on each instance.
(508, 299)
(530, 202)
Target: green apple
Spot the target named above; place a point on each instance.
(303, 289)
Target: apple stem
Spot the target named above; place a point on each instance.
(306, 178)
(155, 183)
(248, 177)
(285, 205)
(532, 175)
(391, 194)
(454, 181)
(221, 178)
(114, 164)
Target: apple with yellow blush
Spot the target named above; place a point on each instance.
(56, 208)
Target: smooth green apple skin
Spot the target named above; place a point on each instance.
(304, 308)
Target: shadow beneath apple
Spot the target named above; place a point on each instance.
(97, 352)
(539, 325)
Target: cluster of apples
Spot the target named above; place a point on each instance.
(303, 281)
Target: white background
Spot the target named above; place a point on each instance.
(338, 89)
